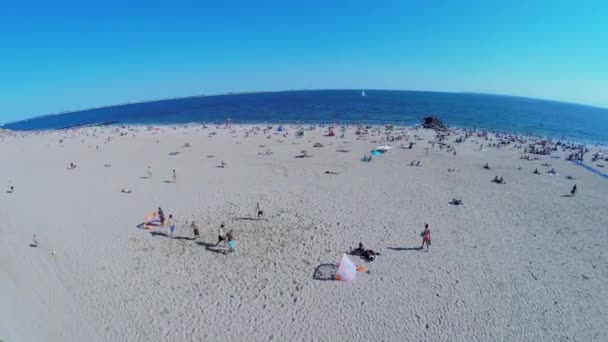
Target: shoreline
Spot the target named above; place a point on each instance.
(253, 123)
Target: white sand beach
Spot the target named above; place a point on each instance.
(520, 261)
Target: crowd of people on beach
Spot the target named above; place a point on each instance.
(225, 237)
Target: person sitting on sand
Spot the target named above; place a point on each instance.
(174, 176)
(418, 163)
(11, 188)
(536, 172)
(487, 166)
(258, 210)
(359, 250)
(573, 191)
(149, 172)
(126, 191)
(221, 236)
(551, 172)
(195, 230)
(426, 237)
(34, 241)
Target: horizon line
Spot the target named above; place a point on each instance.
(294, 90)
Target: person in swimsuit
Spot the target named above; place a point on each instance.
(426, 237)
(258, 210)
(195, 230)
(221, 236)
(573, 191)
(171, 225)
(174, 177)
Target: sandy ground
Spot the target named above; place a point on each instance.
(517, 262)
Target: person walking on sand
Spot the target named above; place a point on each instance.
(258, 210)
(195, 230)
(149, 172)
(11, 188)
(426, 237)
(221, 236)
(573, 191)
(171, 225)
(174, 176)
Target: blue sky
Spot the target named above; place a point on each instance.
(57, 56)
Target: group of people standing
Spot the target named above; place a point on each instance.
(225, 238)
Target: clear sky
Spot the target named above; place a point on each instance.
(57, 56)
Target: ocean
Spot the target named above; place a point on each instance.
(482, 111)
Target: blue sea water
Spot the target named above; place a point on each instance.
(504, 113)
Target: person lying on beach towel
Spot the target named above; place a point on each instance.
(456, 201)
(366, 254)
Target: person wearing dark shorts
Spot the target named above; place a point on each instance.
(221, 237)
(258, 209)
(195, 230)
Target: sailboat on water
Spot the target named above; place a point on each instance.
(363, 93)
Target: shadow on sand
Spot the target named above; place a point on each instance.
(183, 238)
(325, 272)
(568, 195)
(244, 218)
(405, 248)
(211, 247)
(143, 225)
